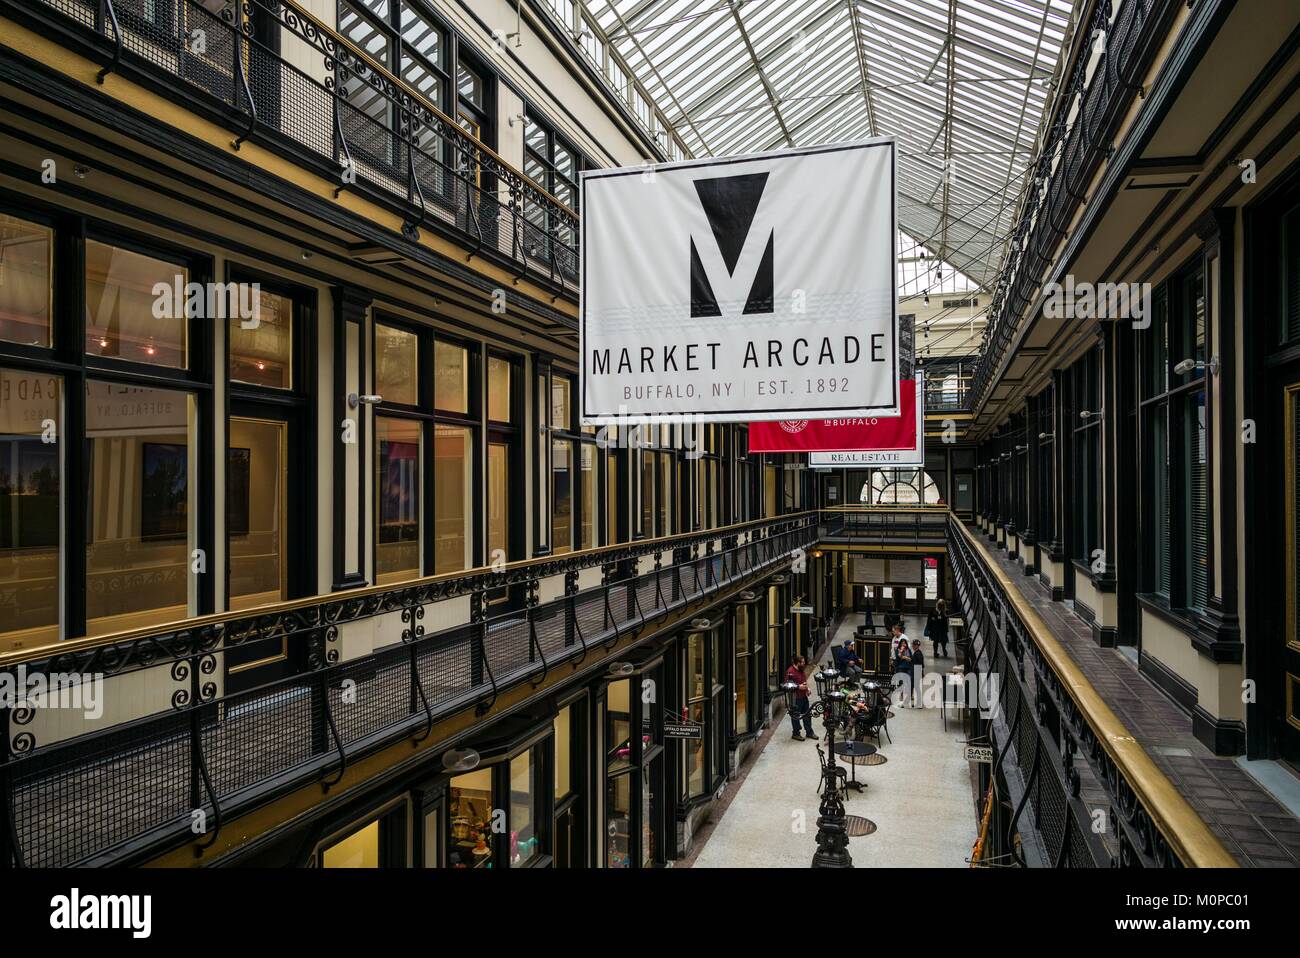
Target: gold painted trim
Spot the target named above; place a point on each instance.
(1289, 417)
(1292, 683)
(1186, 832)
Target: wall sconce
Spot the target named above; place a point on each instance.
(1086, 414)
(460, 760)
(620, 668)
(1046, 435)
(1023, 448)
(524, 120)
(368, 400)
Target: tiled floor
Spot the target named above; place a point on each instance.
(1253, 825)
(920, 800)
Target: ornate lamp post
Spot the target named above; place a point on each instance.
(832, 827)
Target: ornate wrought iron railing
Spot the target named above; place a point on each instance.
(133, 788)
(1064, 738)
(1074, 149)
(277, 76)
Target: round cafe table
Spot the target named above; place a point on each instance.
(851, 751)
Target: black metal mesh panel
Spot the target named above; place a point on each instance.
(550, 624)
(74, 799)
(261, 733)
(507, 645)
(445, 665)
(381, 696)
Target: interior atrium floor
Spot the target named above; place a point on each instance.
(920, 800)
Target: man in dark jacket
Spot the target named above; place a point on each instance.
(802, 707)
(847, 662)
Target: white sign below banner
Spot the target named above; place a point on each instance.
(741, 289)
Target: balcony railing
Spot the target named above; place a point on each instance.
(1062, 734)
(275, 75)
(131, 789)
(1076, 145)
(885, 525)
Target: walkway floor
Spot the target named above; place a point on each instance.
(1252, 824)
(921, 799)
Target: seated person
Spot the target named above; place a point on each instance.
(847, 662)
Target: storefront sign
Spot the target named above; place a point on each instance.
(900, 433)
(683, 730)
(979, 753)
(748, 288)
(801, 609)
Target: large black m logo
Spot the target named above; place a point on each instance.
(730, 203)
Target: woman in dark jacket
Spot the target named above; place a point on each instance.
(936, 628)
(902, 667)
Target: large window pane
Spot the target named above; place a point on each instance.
(255, 505)
(561, 496)
(125, 317)
(1196, 502)
(453, 484)
(31, 471)
(470, 808)
(140, 529)
(525, 798)
(590, 492)
(563, 727)
(261, 348)
(26, 277)
(397, 489)
(450, 377)
(397, 365)
(498, 533)
(499, 409)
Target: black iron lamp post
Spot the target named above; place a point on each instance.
(832, 826)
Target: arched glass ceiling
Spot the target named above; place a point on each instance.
(964, 86)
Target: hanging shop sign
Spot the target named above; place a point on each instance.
(754, 288)
(801, 610)
(682, 729)
(979, 753)
(873, 433)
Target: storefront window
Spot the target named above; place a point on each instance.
(397, 365)
(498, 533)
(135, 306)
(470, 811)
(358, 850)
(31, 471)
(744, 654)
(590, 491)
(140, 503)
(26, 281)
(397, 485)
(499, 389)
(561, 496)
(453, 485)
(563, 727)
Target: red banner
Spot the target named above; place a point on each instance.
(842, 435)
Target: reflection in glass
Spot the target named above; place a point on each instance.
(255, 491)
(450, 377)
(499, 409)
(589, 493)
(31, 473)
(561, 496)
(26, 278)
(498, 533)
(397, 365)
(261, 347)
(141, 522)
(125, 319)
(525, 843)
(563, 760)
(397, 494)
(453, 472)
(358, 850)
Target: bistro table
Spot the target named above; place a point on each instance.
(851, 751)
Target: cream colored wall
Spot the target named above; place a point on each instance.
(1218, 687)
(555, 90)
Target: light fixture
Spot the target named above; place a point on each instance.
(460, 760)
(81, 172)
(523, 119)
(1191, 365)
(619, 668)
(1046, 435)
(701, 623)
(1086, 414)
(369, 400)
(103, 343)
(306, 254)
(927, 299)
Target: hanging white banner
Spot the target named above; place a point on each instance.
(741, 289)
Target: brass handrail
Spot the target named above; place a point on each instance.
(62, 646)
(1185, 831)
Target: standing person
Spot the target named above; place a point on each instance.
(918, 666)
(936, 628)
(902, 662)
(802, 707)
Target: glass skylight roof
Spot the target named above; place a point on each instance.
(963, 85)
